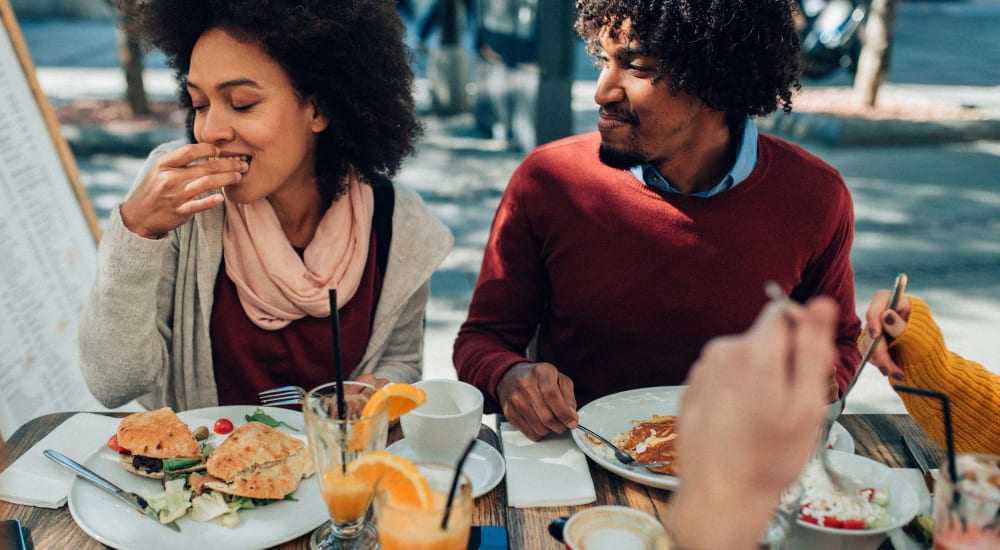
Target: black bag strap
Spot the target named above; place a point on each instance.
(385, 203)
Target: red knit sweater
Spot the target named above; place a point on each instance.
(625, 285)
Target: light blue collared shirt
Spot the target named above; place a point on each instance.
(746, 161)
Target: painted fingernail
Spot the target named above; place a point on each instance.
(889, 319)
(897, 376)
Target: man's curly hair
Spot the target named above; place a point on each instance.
(348, 54)
(738, 56)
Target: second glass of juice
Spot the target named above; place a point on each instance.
(405, 527)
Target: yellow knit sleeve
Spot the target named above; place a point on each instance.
(974, 391)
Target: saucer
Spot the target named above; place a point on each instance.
(484, 465)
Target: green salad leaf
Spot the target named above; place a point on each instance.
(260, 416)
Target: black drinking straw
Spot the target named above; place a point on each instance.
(454, 483)
(948, 436)
(339, 368)
(338, 364)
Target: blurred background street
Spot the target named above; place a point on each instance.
(931, 210)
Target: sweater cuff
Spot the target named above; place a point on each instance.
(920, 339)
(133, 258)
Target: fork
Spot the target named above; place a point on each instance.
(622, 456)
(788, 307)
(285, 395)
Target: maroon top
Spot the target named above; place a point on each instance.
(248, 359)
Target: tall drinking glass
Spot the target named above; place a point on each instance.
(402, 527)
(967, 513)
(336, 440)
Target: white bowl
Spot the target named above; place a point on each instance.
(902, 506)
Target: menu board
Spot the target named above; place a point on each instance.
(48, 236)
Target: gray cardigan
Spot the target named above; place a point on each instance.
(144, 333)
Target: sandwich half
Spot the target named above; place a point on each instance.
(258, 461)
(158, 441)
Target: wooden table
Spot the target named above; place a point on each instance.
(876, 436)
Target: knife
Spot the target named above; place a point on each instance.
(132, 499)
(918, 456)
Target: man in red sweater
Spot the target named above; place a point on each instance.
(622, 252)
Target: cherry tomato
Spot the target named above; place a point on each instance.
(854, 524)
(222, 426)
(809, 519)
(114, 446)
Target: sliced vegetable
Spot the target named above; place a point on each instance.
(921, 529)
(833, 521)
(208, 506)
(170, 464)
(207, 448)
(172, 503)
(854, 524)
(230, 520)
(114, 446)
(260, 416)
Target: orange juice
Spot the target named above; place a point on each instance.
(407, 528)
(346, 496)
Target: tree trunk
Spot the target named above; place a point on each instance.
(873, 63)
(130, 53)
(130, 56)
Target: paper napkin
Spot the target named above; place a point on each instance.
(35, 480)
(551, 472)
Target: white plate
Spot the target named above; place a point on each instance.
(484, 465)
(104, 518)
(839, 439)
(903, 501)
(613, 414)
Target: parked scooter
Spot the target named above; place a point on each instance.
(831, 34)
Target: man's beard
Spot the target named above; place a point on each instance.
(620, 158)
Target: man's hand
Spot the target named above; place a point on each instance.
(537, 399)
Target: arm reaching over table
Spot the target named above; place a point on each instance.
(751, 416)
(914, 353)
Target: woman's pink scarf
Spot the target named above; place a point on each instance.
(275, 286)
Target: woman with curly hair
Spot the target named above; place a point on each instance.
(621, 252)
(213, 275)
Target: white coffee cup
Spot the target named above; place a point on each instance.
(440, 429)
(613, 527)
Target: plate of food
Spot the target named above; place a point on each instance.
(630, 418)
(257, 465)
(879, 501)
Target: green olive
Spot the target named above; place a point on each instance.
(201, 433)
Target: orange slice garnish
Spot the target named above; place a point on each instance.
(399, 398)
(394, 474)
